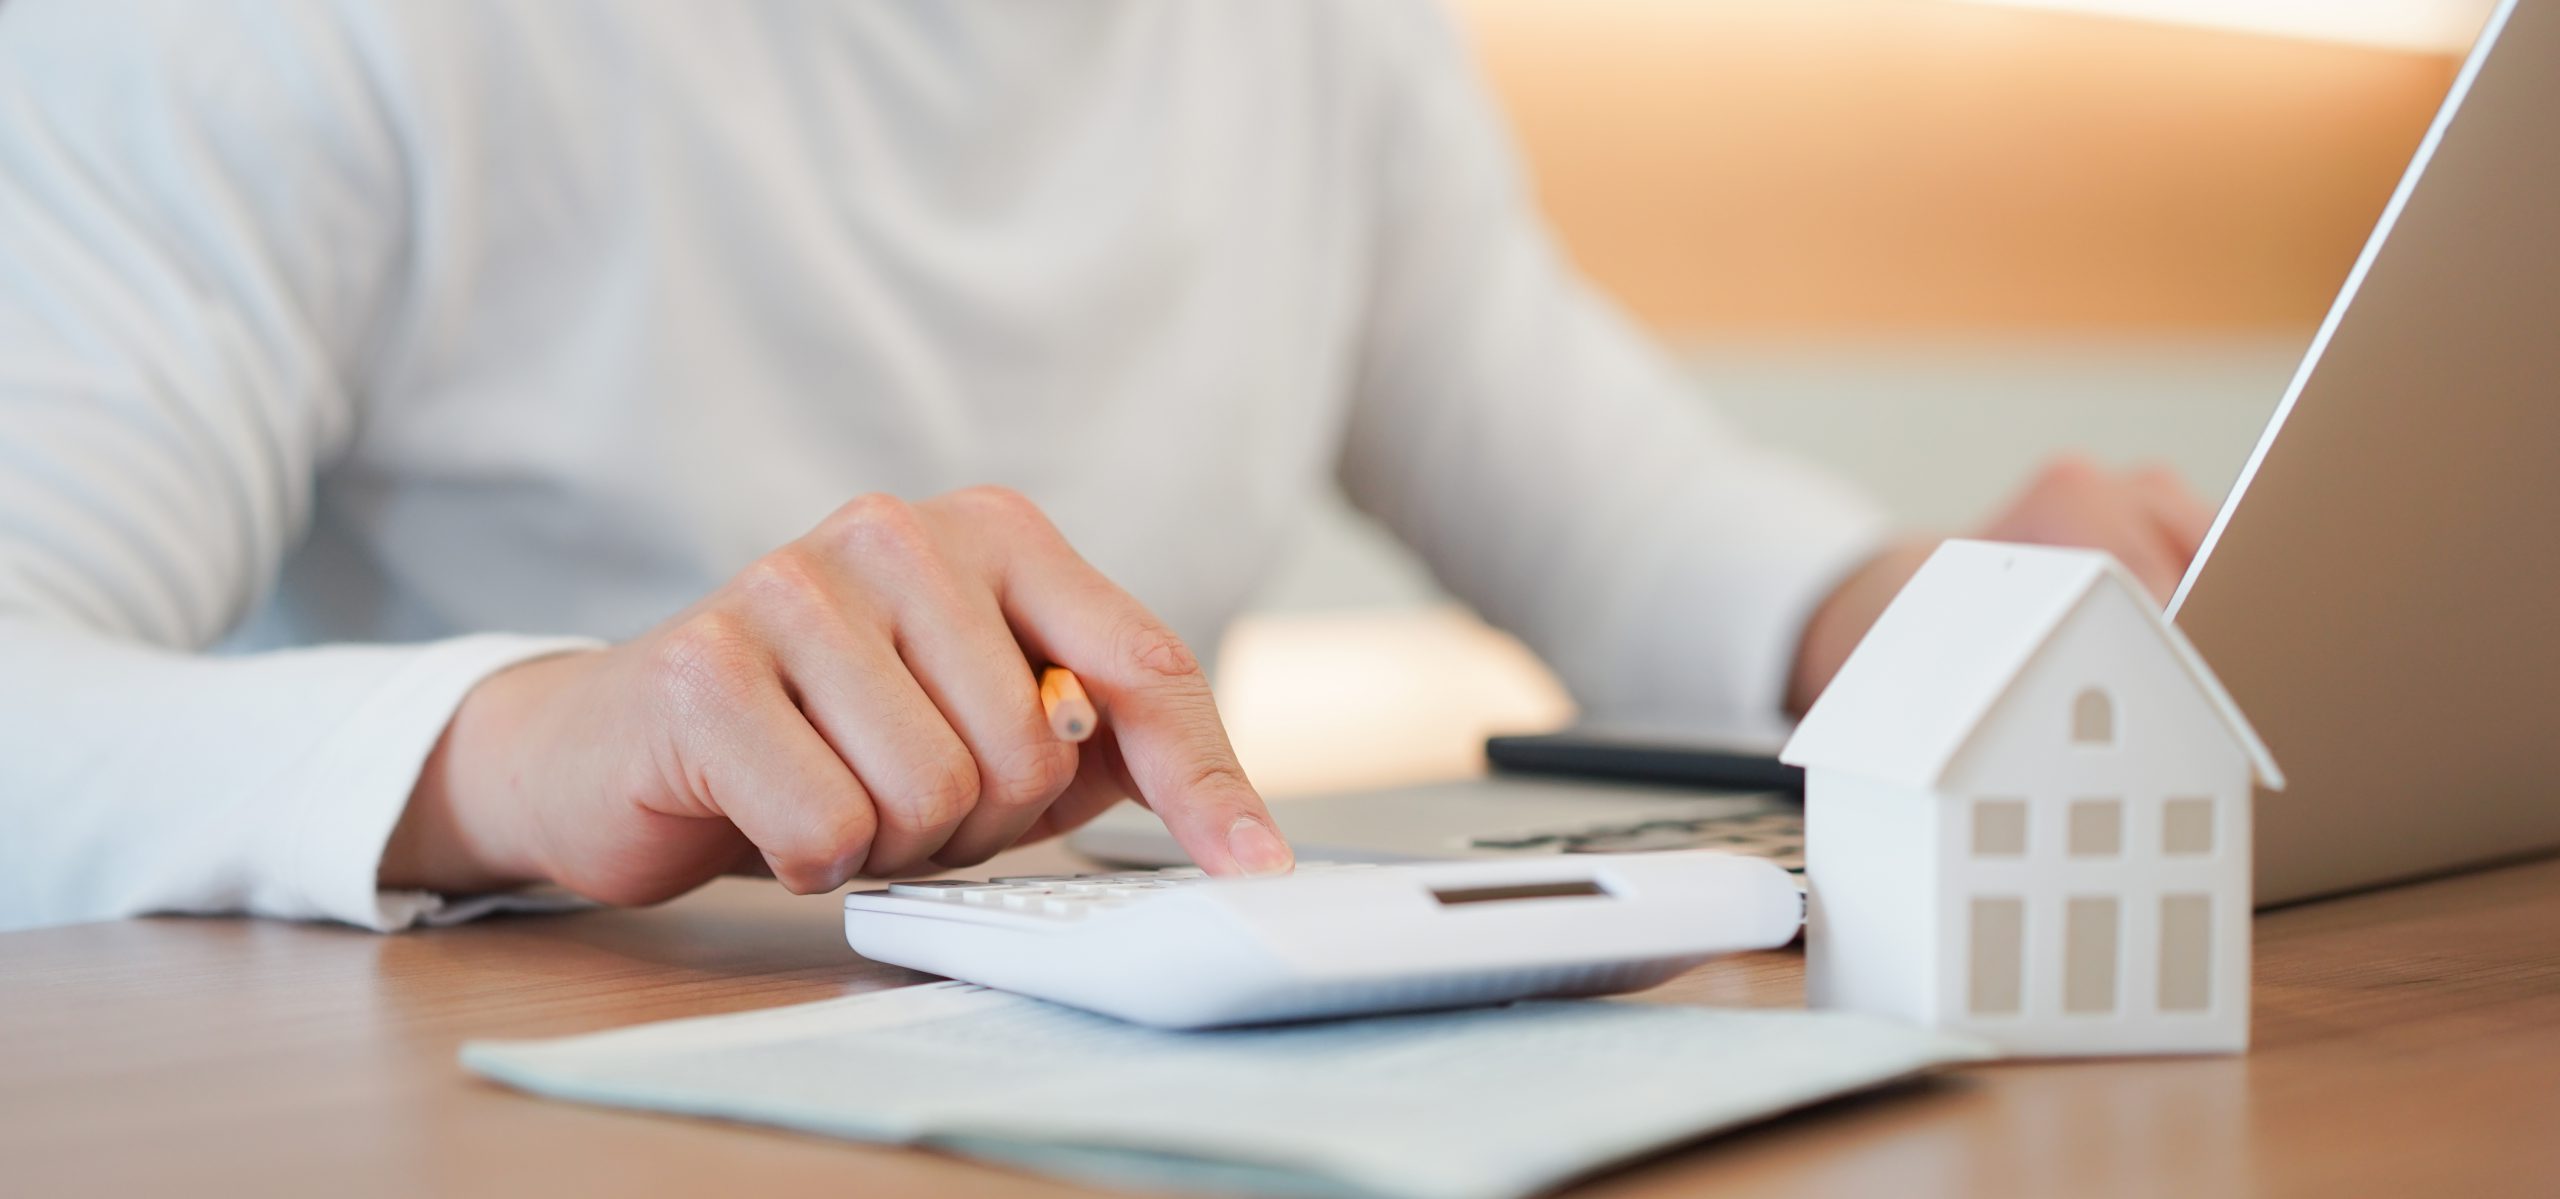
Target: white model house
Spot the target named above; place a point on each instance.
(2027, 815)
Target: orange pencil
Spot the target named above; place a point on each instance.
(1071, 714)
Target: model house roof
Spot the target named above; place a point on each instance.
(1915, 690)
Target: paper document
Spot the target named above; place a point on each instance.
(1486, 1103)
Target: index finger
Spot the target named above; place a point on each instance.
(1152, 695)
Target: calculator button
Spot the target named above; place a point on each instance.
(1099, 887)
(937, 888)
(1018, 880)
(996, 896)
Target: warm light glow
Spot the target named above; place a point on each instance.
(1327, 701)
(2446, 25)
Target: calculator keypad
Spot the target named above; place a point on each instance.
(1069, 896)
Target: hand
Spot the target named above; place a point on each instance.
(859, 702)
(2148, 519)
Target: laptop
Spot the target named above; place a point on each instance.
(2380, 592)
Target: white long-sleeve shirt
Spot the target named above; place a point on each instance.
(350, 352)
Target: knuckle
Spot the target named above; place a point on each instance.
(1156, 650)
(1215, 776)
(878, 525)
(999, 503)
(784, 581)
(938, 793)
(710, 660)
(833, 849)
(848, 835)
(1031, 775)
(2072, 471)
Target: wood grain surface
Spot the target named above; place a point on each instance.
(2408, 1042)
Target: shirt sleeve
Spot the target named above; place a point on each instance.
(199, 224)
(1546, 460)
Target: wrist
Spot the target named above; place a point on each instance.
(468, 825)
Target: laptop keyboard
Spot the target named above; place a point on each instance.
(1777, 836)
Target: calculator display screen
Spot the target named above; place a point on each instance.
(1458, 895)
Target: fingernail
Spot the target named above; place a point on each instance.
(1257, 848)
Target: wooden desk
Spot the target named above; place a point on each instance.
(2408, 1042)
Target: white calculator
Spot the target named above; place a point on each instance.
(1175, 949)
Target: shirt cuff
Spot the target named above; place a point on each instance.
(360, 783)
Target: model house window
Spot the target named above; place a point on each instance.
(1999, 828)
(1998, 934)
(2089, 954)
(2097, 828)
(2093, 718)
(2186, 953)
(2186, 826)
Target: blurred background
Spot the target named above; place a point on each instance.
(1927, 242)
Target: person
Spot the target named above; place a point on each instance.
(452, 446)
